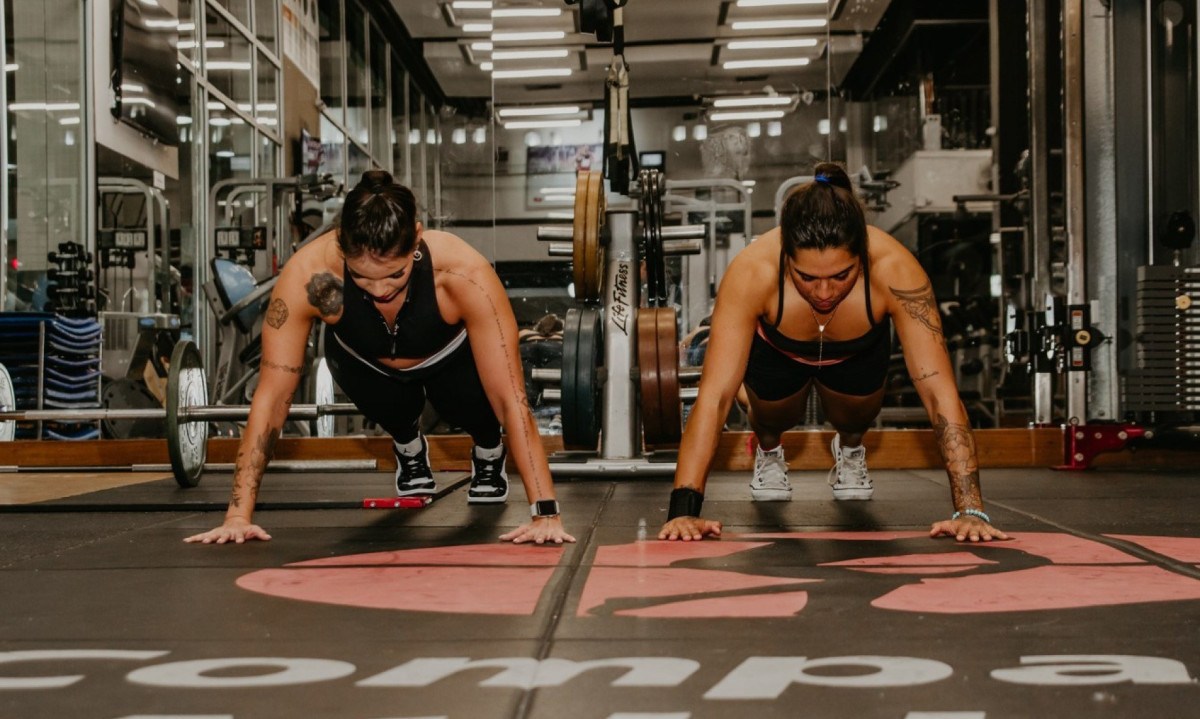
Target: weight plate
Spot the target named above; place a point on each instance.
(583, 358)
(323, 393)
(647, 354)
(8, 403)
(187, 442)
(578, 247)
(593, 251)
(668, 378)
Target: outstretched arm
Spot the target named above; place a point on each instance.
(919, 326)
(484, 307)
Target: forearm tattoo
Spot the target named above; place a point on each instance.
(251, 464)
(922, 307)
(325, 294)
(957, 445)
(925, 376)
(277, 313)
(281, 367)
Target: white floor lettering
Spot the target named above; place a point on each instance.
(1086, 669)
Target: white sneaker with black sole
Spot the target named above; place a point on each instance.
(413, 474)
(848, 478)
(770, 482)
(489, 480)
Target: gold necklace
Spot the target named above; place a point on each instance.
(821, 331)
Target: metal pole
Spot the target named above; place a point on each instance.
(619, 435)
(1038, 241)
(3, 168)
(1074, 186)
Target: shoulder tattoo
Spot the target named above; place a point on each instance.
(920, 305)
(325, 293)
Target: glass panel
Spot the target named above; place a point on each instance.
(415, 175)
(332, 92)
(399, 135)
(267, 152)
(227, 54)
(333, 149)
(181, 248)
(187, 32)
(356, 73)
(380, 136)
(240, 9)
(360, 162)
(265, 14)
(433, 141)
(44, 143)
(266, 110)
(231, 144)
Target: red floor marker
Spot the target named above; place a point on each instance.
(396, 502)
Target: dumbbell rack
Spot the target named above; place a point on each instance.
(620, 450)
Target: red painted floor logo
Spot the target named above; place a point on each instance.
(726, 579)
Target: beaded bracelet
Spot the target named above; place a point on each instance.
(685, 502)
(978, 513)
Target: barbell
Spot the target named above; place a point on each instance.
(186, 415)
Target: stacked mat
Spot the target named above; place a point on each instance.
(68, 376)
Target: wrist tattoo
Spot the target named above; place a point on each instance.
(957, 445)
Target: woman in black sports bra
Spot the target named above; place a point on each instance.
(412, 315)
(811, 305)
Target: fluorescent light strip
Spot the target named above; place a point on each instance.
(11, 67)
(226, 65)
(528, 36)
(477, 27)
(787, 42)
(47, 106)
(777, 3)
(486, 66)
(759, 101)
(778, 24)
(776, 62)
(557, 191)
(69, 121)
(535, 124)
(530, 54)
(538, 111)
(481, 46)
(527, 12)
(471, 4)
(542, 72)
(734, 116)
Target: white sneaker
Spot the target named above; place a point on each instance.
(849, 474)
(770, 482)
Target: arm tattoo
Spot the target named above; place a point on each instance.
(251, 464)
(922, 307)
(925, 376)
(277, 313)
(283, 367)
(957, 445)
(325, 294)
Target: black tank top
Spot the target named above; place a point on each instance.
(419, 330)
(833, 349)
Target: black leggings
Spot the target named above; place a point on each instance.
(394, 400)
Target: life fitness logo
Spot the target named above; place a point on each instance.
(907, 572)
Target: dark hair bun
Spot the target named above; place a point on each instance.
(376, 179)
(833, 174)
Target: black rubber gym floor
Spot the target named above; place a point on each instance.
(806, 609)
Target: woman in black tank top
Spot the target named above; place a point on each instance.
(404, 331)
(796, 312)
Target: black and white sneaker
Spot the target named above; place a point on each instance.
(413, 474)
(489, 480)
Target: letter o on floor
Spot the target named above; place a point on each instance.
(275, 672)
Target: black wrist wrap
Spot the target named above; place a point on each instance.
(685, 503)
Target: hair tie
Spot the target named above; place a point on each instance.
(822, 178)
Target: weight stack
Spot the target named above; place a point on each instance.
(1166, 377)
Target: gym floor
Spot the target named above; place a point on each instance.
(804, 609)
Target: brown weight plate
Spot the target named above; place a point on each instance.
(593, 253)
(578, 266)
(647, 353)
(668, 377)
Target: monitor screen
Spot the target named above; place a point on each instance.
(144, 36)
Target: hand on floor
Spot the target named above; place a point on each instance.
(688, 529)
(966, 528)
(539, 531)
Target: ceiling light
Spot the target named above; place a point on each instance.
(773, 62)
(471, 4)
(679, 133)
(477, 27)
(541, 72)
(11, 67)
(486, 66)
(754, 115)
(753, 101)
(557, 191)
(793, 23)
(754, 129)
(480, 135)
(532, 36)
(527, 12)
(69, 121)
(481, 46)
(700, 132)
(776, 3)
(226, 65)
(538, 111)
(783, 42)
(774, 128)
(225, 153)
(530, 54)
(530, 124)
